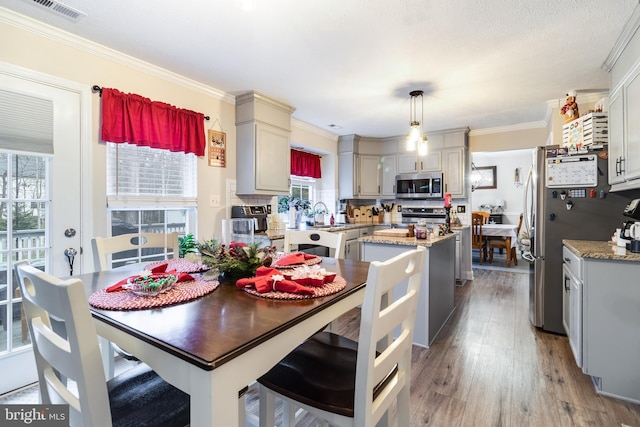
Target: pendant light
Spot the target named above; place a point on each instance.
(416, 139)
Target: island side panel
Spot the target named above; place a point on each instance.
(435, 304)
(442, 283)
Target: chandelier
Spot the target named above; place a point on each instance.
(416, 139)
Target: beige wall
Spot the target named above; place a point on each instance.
(83, 62)
(504, 141)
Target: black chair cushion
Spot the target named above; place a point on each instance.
(321, 372)
(139, 397)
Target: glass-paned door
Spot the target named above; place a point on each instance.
(24, 208)
(40, 200)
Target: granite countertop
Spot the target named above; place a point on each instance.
(279, 233)
(599, 250)
(406, 241)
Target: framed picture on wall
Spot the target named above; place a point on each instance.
(488, 177)
(217, 142)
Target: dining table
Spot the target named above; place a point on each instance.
(508, 231)
(215, 345)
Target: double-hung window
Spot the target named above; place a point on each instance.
(150, 190)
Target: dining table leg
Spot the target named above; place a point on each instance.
(508, 245)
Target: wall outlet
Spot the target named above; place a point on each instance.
(214, 200)
(461, 209)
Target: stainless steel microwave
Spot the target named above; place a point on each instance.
(419, 186)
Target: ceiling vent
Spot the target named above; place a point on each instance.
(61, 9)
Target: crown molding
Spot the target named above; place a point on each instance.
(510, 128)
(54, 34)
(314, 129)
(629, 29)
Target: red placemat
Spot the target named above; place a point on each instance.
(126, 300)
(338, 284)
(312, 261)
(180, 265)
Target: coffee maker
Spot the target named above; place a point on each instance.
(631, 211)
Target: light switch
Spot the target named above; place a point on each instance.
(214, 200)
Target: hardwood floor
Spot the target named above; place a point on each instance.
(490, 367)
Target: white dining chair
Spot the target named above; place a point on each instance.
(348, 383)
(105, 247)
(333, 240)
(103, 250)
(135, 398)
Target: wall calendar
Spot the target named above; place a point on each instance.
(217, 142)
(572, 171)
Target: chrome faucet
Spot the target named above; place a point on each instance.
(314, 212)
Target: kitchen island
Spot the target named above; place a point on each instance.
(437, 294)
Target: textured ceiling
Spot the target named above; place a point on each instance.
(481, 64)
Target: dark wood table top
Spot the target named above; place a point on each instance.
(221, 325)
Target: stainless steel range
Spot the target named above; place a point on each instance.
(411, 215)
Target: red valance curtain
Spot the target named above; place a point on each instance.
(137, 120)
(305, 164)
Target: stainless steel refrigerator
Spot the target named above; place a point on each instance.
(566, 197)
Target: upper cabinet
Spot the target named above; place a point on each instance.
(359, 174)
(263, 154)
(624, 108)
(447, 154)
(388, 165)
(365, 171)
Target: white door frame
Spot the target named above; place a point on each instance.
(21, 361)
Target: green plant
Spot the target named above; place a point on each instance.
(238, 259)
(187, 245)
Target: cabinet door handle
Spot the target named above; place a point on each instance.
(378, 188)
(618, 166)
(421, 165)
(567, 260)
(415, 165)
(567, 287)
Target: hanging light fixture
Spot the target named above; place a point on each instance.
(416, 139)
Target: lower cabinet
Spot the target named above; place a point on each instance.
(352, 245)
(279, 244)
(609, 341)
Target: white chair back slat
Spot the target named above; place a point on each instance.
(328, 239)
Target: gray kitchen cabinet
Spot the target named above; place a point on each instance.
(413, 163)
(610, 342)
(279, 244)
(370, 175)
(389, 171)
(352, 245)
(263, 152)
(447, 154)
(624, 110)
(359, 174)
(454, 171)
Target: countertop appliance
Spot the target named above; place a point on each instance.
(631, 211)
(258, 213)
(420, 186)
(565, 197)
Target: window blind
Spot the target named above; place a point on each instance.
(146, 176)
(26, 123)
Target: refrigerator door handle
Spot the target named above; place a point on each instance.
(528, 182)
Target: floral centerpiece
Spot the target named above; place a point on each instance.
(236, 260)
